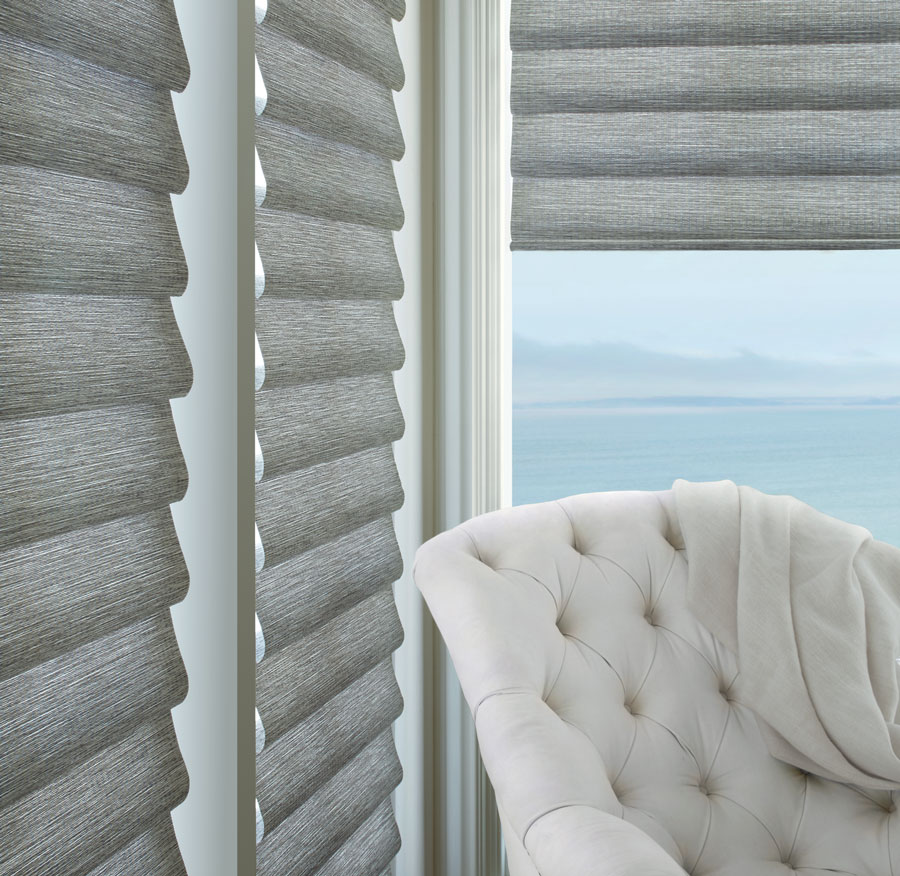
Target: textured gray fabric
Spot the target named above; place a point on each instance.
(84, 119)
(311, 834)
(394, 8)
(78, 819)
(327, 413)
(75, 587)
(139, 38)
(90, 355)
(67, 234)
(831, 77)
(727, 211)
(334, 497)
(52, 711)
(311, 258)
(295, 597)
(154, 853)
(317, 177)
(320, 96)
(370, 850)
(576, 23)
(358, 35)
(317, 422)
(68, 471)
(705, 105)
(300, 761)
(303, 341)
(674, 143)
(70, 352)
(287, 691)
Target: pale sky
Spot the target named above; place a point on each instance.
(795, 305)
(726, 323)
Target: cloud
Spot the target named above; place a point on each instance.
(588, 372)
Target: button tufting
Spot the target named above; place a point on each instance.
(627, 707)
(703, 788)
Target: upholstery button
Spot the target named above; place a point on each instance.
(703, 789)
(627, 707)
(890, 808)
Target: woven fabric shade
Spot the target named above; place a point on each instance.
(668, 124)
(90, 355)
(326, 415)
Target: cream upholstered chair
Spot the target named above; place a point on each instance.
(604, 713)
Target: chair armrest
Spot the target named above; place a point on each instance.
(586, 841)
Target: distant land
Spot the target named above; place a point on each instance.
(709, 401)
(625, 376)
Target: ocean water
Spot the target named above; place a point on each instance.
(845, 461)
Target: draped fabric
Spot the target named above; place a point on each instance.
(90, 355)
(326, 415)
(666, 124)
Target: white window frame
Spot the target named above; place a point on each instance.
(473, 365)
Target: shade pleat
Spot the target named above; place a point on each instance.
(577, 24)
(705, 125)
(72, 824)
(312, 258)
(295, 597)
(79, 118)
(289, 771)
(138, 38)
(320, 96)
(731, 212)
(51, 711)
(305, 341)
(371, 848)
(305, 840)
(75, 587)
(357, 35)
(61, 233)
(68, 471)
(294, 682)
(335, 497)
(641, 144)
(326, 417)
(137, 354)
(307, 174)
(395, 8)
(828, 77)
(154, 853)
(318, 422)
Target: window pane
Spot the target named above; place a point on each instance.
(780, 370)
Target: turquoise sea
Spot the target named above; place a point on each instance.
(844, 460)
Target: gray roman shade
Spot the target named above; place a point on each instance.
(326, 416)
(667, 124)
(90, 355)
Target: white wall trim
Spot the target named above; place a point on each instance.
(473, 375)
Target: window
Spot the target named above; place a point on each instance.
(780, 370)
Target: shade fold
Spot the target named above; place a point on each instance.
(307, 257)
(302, 426)
(75, 117)
(335, 497)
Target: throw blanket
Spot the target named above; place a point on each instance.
(810, 606)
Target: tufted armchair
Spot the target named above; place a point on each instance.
(604, 710)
